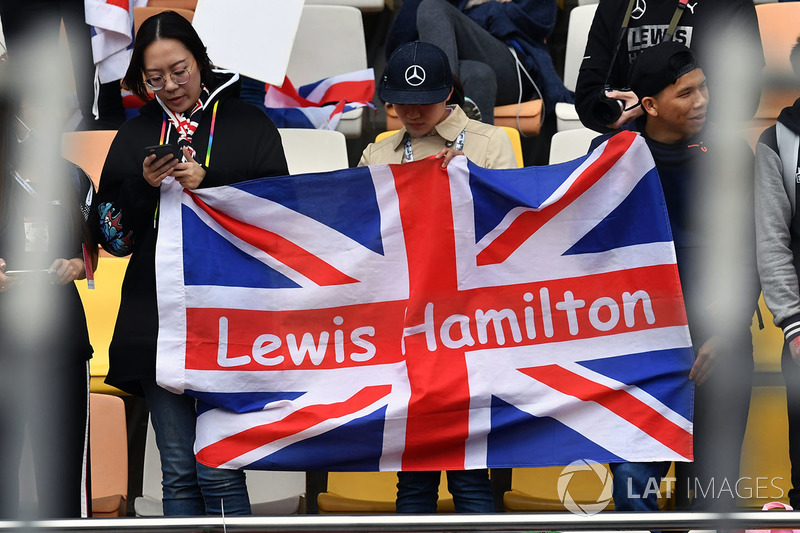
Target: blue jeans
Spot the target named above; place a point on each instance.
(189, 488)
(636, 485)
(418, 492)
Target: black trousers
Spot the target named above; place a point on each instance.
(721, 408)
(49, 404)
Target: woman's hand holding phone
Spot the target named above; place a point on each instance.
(189, 174)
(159, 163)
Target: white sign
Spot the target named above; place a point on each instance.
(252, 37)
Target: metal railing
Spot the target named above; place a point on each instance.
(509, 522)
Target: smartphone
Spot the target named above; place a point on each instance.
(23, 275)
(164, 149)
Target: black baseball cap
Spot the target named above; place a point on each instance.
(660, 66)
(417, 73)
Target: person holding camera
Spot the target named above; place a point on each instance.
(218, 140)
(622, 29)
(674, 103)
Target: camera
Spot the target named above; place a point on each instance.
(607, 110)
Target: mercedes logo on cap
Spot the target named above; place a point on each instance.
(415, 75)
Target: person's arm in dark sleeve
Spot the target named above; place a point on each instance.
(270, 160)
(125, 203)
(600, 45)
(531, 20)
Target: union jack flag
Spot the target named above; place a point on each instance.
(405, 317)
(111, 24)
(320, 104)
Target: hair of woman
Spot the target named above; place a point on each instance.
(165, 25)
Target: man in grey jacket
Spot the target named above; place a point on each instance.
(778, 245)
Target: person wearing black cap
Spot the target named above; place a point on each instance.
(700, 24)
(674, 99)
(418, 82)
(778, 246)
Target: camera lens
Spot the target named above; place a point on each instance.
(607, 110)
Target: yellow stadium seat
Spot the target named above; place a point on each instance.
(765, 467)
(101, 305)
(767, 342)
(537, 490)
(369, 493)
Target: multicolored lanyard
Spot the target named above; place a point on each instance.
(458, 145)
(210, 135)
(208, 150)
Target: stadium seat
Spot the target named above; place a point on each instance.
(527, 122)
(140, 14)
(271, 493)
(542, 490)
(765, 466)
(101, 305)
(364, 5)
(191, 5)
(570, 144)
(580, 20)
(513, 135)
(329, 149)
(109, 455)
(777, 23)
(369, 493)
(330, 41)
(88, 150)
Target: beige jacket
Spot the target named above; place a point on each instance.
(484, 144)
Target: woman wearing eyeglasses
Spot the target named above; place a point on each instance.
(222, 140)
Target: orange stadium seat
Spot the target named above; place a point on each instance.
(777, 23)
(191, 5)
(88, 150)
(140, 14)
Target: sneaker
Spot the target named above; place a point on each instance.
(471, 109)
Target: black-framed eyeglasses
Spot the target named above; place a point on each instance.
(180, 77)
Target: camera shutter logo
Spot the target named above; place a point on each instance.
(415, 75)
(586, 509)
(639, 9)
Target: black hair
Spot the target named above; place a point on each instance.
(794, 57)
(165, 25)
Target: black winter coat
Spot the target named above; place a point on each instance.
(246, 145)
